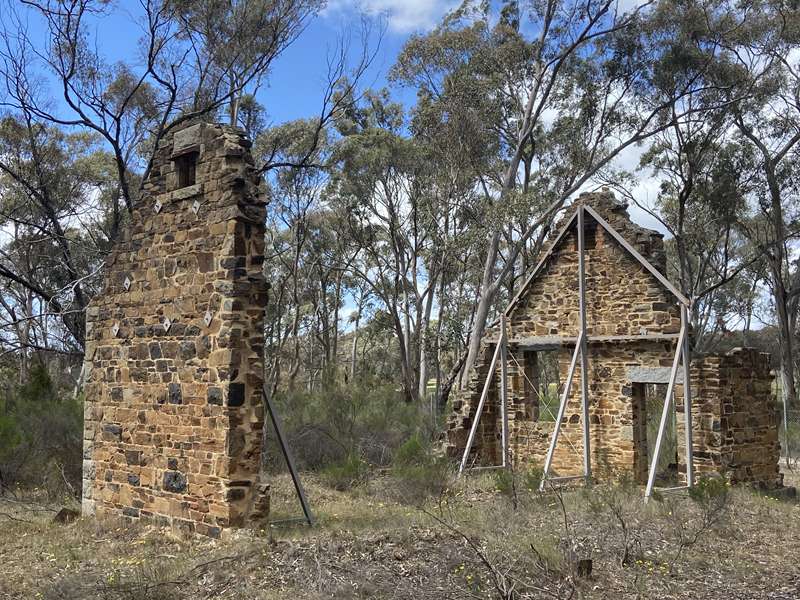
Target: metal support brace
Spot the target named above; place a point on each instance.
(687, 400)
(665, 412)
(479, 410)
(566, 478)
(298, 486)
(561, 408)
(587, 455)
(672, 490)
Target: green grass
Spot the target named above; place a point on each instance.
(548, 403)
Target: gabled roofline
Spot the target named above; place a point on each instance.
(618, 237)
(541, 263)
(642, 260)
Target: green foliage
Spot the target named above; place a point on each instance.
(504, 481)
(368, 419)
(419, 472)
(416, 483)
(412, 452)
(41, 436)
(10, 437)
(347, 431)
(532, 478)
(510, 482)
(710, 493)
(790, 439)
(346, 474)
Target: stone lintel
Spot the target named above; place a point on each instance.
(652, 374)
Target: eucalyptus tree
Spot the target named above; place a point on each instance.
(565, 87)
(196, 59)
(236, 41)
(293, 221)
(59, 208)
(190, 61)
(763, 54)
(457, 154)
(701, 200)
(403, 195)
(374, 186)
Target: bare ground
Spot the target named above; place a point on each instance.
(376, 542)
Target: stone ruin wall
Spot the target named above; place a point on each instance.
(173, 367)
(623, 299)
(735, 419)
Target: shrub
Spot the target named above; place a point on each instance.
(346, 474)
(41, 437)
(418, 472)
(504, 481)
(532, 478)
(712, 495)
(414, 483)
(790, 440)
(367, 418)
(412, 452)
(509, 482)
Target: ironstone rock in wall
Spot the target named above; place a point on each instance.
(173, 412)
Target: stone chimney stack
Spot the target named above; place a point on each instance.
(174, 349)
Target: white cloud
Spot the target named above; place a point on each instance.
(645, 191)
(402, 16)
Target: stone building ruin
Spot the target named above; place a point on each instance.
(173, 367)
(632, 328)
(174, 354)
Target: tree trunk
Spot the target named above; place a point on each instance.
(488, 290)
(788, 385)
(423, 340)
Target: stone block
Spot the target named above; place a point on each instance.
(175, 396)
(236, 394)
(174, 481)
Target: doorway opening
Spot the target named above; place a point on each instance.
(541, 384)
(648, 404)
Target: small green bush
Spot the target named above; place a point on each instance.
(10, 436)
(790, 440)
(532, 478)
(415, 483)
(710, 492)
(41, 436)
(507, 481)
(413, 452)
(367, 417)
(503, 481)
(346, 474)
(418, 472)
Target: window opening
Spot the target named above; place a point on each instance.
(186, 165)
(541, 385)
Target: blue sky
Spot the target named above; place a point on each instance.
(294, 88)
(289, 96)
(296, 84)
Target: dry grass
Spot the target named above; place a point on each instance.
(471, 543)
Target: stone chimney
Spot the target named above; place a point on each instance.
(174, 348)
